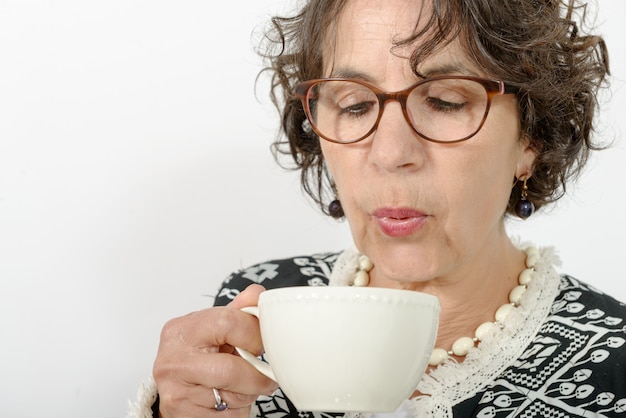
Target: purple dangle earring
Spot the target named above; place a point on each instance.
(334, 207)
(335, 210)
(524, 208)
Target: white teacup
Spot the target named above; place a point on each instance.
(340, 349)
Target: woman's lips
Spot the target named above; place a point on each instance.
(399, 222)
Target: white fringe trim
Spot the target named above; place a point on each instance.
(146, 396)
(451, 382)
(454, 382)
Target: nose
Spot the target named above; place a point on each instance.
(395, 145)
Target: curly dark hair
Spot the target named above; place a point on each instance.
(537, 46)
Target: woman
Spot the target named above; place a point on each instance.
(492, 117)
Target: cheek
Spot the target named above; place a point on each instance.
(330, 162)
(479, 186)
(342, 163)
(346, 168)
(472, 209)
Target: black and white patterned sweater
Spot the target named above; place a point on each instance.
(562, 352)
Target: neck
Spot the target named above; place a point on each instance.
(470, 295)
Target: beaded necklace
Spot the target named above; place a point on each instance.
(463, 345)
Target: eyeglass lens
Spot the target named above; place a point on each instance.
(441, 110)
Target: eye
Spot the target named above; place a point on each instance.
(441, 105)
(448, 96)
(357, 109)
(346, 99)
(354, 100)
(442, 98)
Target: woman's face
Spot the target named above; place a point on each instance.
(421, 210)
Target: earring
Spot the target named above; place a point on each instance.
(335, 210)
(524, 208)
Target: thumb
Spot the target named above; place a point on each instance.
(249, 297)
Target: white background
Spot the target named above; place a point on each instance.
(135, 175)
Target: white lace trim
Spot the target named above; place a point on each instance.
(454, 382)
(146, 395)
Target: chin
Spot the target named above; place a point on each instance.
(404, 265)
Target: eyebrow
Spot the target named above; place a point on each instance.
(446, 69)
(350, 73)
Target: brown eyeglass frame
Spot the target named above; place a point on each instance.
(492, 88)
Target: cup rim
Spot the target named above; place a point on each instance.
(304, 293)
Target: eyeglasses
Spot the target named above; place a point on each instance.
(439, 109)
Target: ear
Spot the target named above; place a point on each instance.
(529, 150)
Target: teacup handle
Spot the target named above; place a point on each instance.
(251, 358)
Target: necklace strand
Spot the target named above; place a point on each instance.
(463, 345)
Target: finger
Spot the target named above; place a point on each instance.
(234, 400)
(199, 400)
(228, 372)
(204, 397)
(249, 297)
(188, 407)
(207, 330)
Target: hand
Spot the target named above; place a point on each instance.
(196, 354)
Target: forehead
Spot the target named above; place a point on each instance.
(398, 18)
(370, 33)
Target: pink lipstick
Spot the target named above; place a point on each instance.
(399, 222)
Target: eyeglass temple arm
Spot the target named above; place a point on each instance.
(509, 89)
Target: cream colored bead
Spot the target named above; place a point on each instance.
(503, 311)
(526, 277)
(515, 297)
(483, 329)
(365, 263)
(361, 279)
(437, 357)
(462, 346)
(532, 259)
(534, 251)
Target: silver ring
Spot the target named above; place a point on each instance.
(220, 405)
